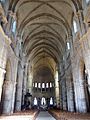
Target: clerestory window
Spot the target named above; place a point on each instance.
(39, 85)
(43, 85)
(14, 27)
(35, 101)
(87, 1)
(68, 45)
(51, 101)
(75, 26)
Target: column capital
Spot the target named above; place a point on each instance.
(12, 14)
(7, 83)
(69, 37)
(7, 40)
(79, 13)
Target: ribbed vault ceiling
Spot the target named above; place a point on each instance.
(44, 26)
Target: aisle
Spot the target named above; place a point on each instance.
(44, 115)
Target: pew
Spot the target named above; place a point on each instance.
(63, 115)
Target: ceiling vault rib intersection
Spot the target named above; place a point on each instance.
(44, 26)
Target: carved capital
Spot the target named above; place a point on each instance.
(7, 83)
(70, 37)
(7, 40)
(12, 14)
(79, 13)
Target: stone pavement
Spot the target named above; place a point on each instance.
(44, 115)
(63, 115)
(24, 115)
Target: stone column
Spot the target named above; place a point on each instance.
(60, 89)
(4, 43)
(57, 89)
(57, 97)
(19, 88)
(3, 57)
(2, 73)
(88, 76)
(24, 82)
(64, 96)
(70, 96)
(7, 96)
(81, 21)
(12, 16)
(82, 96)
(14, 83)
(29, 83)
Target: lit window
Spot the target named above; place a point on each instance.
(75, 26)
(14, 27)
(43, 85)
(63, 58)
(68, 45)
(50, 85)
(87, 1)
(39, 85)
(2, 1)
(43, 101)
(56, 76)
(51, 101)
(47, 85)
(35, 101)
(35, 85)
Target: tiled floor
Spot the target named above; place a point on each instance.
(44, 115)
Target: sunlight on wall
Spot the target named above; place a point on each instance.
(57, 89)
(35, 101)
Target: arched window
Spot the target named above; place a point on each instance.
(43, 85)
(47, 86)
(35, 101)
(50, 85)
(68, 45)
(39, 85)
(3, 1)
(43, 101)
(35, 85)
(75, 26)
(51, 101)
(14, 27)
(87, 1)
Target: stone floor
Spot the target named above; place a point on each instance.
(44, 115)
(63, 115)
(25, 115)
